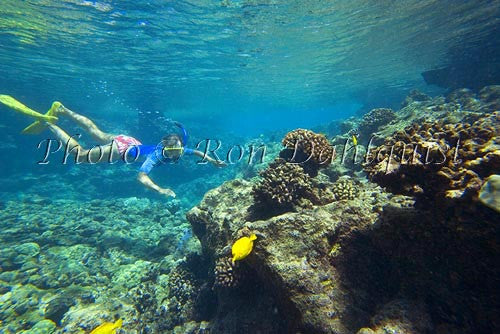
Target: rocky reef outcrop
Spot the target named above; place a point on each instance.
(293, 257)
(370, 264)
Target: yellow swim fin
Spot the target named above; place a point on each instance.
(12, 103)
(38, 126)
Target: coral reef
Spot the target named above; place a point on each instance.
(438, 159)
(226, 273)
(344, 189)
(415, 96)
(282, 185)
(293, 253)
(68, 266)
(375, 262)
(418, 108)
(289, 180)
(313, 151)
(341, 257)
(344, 268)
(375, 118)
(181, 291)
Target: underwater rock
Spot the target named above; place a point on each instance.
(99, 218)
(402, 317)
(292, 257)
(4, 287)
(85, 318)
(375, 118)
(343, 268)
(130, 275)
(7, 257)
(466, 98)
(490, 95)
(468, 69)
(42, 327)
(20, 304)
(415, 96)
(489, 194)
(29, 249)
(25, 251)
(57, 307)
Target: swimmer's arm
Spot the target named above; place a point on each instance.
(218, 163)
(148, 183)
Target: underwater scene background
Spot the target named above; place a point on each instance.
(374, 207)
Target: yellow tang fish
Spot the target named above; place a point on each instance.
(108, 327)
(242, 247)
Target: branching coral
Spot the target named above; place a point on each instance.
(282, 185)
(179, 302)
(436, 159)
(344, 189)
(226, 273)
(288, 181)
(181, 286)
(312, 150)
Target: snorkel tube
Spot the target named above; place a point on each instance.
(185, 135)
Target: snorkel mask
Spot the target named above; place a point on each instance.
(175, 148)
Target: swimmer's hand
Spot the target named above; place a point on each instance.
(219, 163)
(167, 192)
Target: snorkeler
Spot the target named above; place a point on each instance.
(171, 148)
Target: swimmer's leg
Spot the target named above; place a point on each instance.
(97, 154)
(88, 125)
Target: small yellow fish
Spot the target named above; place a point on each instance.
(354, 140)
(108, 327)
(242, 247)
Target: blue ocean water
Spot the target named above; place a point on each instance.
(240, 72)
(230, 69)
